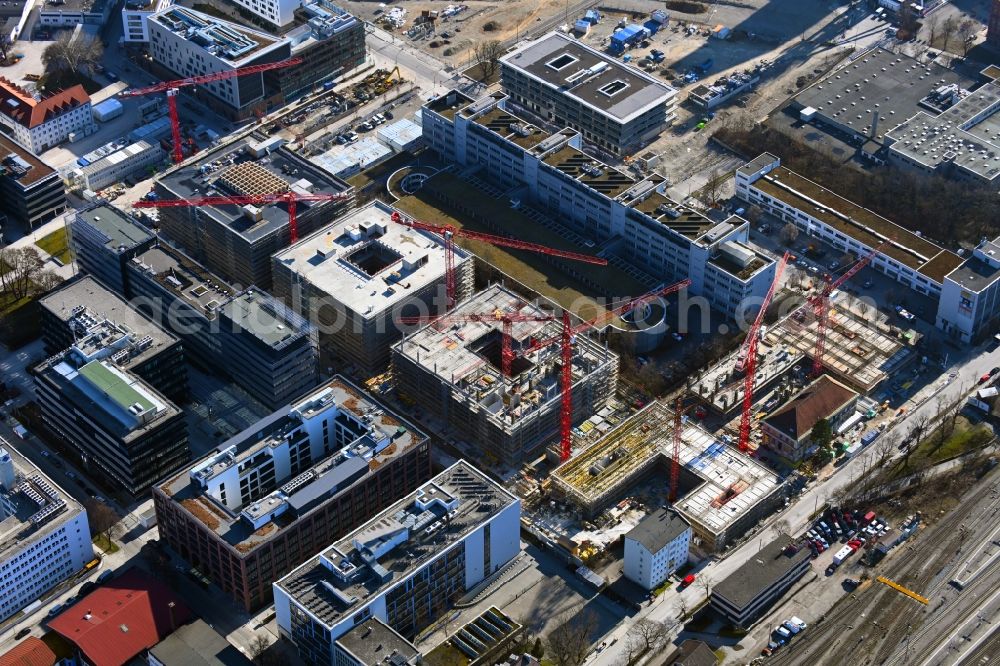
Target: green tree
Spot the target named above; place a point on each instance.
(822, 433)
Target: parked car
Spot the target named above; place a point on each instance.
(783, 632)
(106, 575)
(55, 610)
(22, 632)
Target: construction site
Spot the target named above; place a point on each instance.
(721, 492)
(492, 370)
(861, 351)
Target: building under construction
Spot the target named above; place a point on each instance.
(453, 369)
(723, 493)
(237, 241)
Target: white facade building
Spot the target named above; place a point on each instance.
(656, 548)
(600, 203)
(406, 567)
(41, 124)
(278, 12)
(135, 27)
(44, 533)
(118, 166)
(969, 308)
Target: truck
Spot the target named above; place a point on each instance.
(842, 555)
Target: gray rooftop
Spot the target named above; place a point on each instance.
(767, 567)
(556, 58)
(975, 275)
(121, 231)
(197, 644)
(407, 535)
(967, 135)
(38, 504)
(184, 277)
(367, 262)
(225, 40)
(267, 319)
(88, 308)
(658, 529)
(325, 479)
(374, 642)
(232, 169)
(894, 84)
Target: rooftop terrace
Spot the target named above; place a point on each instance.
(33, 505)
(377, 438)
(20, 164)
(512, 128)
(185, 278)
(584, 168)
(243, 166)
(223, 39)
(681, 219)
(396, 543)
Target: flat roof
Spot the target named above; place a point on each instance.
(232, 169)
(767, 567)
(36, 505)
(437, 516)
(225, 40)
(681, 219)
(589, 76)
(119, 229)
(265, 318)
(185, 278)
(865, 226)
(594, 174)
(967, 135)
(449, 104)
(731, 483)
(467, 353)
(20, 164)
(88, 308)
(122, 403)
(197, 644)
(512, 128)
(975, 274)
(309, 490)
(373, 641)
(367, 262)
(893, 84)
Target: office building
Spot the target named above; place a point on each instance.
(236, 242)
(104, 239)
(872, 93)
(40, 124)
(123, 429)
(277, 13)
(969, 308)
(135, 159)
(788, 430)
(639, 223)
(72, 13)
(656, 548)
(566, 83)
(913, 261)
(44, 533)
(279, 492)
(32, 191)
(373, 642)
(355, 277)
(330, 41)
(135, 17)
(85, 314)
(455, 372)
(185, 42)
(246, 335)
(750, 590)
(406, 567)
(962, 142)
(722, 493)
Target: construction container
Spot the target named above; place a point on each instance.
(627, 37)
(401, 135)
(582, 27)
(107, 110)
(842, 555)
(721, 32)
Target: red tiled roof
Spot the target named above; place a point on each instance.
(120, 619)
(30, 652)
(18, 104)
(820, 400)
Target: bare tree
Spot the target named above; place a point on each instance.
(72, 53)
(22, 265)
(712, 190)
(782, 527)
(102, 518)
(569, 643)
(488, 58)
(789, 233)
(884, 447)
(932, 26)
(47, 280)
(754, 214)
(920, 425)
(967, 33)
(949, 28)
(706, 583)
(644, 637)
(258, 650)
(5, 45)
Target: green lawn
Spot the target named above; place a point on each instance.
(57, 245)
(105, 544)
(931, 450)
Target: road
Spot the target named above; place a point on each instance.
(966, 370)
(429, 73)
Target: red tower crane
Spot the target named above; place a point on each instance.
(675, 460)
(821, 306)
(289, 198)
(171, 88)
(449, 232)
(566, 338)
(748, 355)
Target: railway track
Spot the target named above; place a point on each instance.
(871, 627)
(984, 653)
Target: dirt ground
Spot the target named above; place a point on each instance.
(513, 18)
